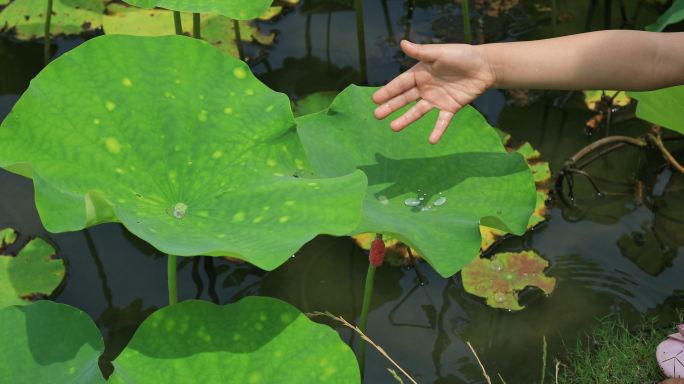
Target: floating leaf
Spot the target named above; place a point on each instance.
(673, 15)
(192, 154)
(69, 17)
(256, 340)
(32, 273)
(664, 107)
(593, 98)
(235, 9)
(7, 237)
(431, 197)
(217, 30)
(542, 176)
(46, 342)
(500, 279)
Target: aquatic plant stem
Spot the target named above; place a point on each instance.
(171, 279)
(46, 41)
(544, 354)
(554, 18)
(196, 32)
(363, 321)
(361, 37)
(177, 22)
(465, 12)
(238, 40)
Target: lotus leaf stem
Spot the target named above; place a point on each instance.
(465, 12)
(171, 279)
(46, 41)
(363, 321)
(361, 37)
(196, 32)
(238, 40)
(177, 22)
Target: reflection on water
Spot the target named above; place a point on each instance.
(620, 253)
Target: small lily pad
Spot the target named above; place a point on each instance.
(192, 154)
(33, 273)
(234, 9)
(7, 237)
(664, 107)
(593, 98)
(47, 342)
(500, 279)
(70, 17)
(256, 340)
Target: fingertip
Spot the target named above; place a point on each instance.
(396, 126)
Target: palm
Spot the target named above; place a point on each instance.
(445, 78)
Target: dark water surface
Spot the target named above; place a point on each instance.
(616, 254)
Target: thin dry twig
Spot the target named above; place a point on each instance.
(655, 139)
(484, 372)
(356, 329)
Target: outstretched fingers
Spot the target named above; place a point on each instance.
(396, 87)
(414, 113)
(397, 102)
(441, 126)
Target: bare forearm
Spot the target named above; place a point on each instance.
(622, 60)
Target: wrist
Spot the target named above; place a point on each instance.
(492, 65)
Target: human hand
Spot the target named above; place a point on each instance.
(448, 77)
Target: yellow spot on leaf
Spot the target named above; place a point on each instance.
(249, 92)
(203, 116)
(299, 164)
(257, 220)
(127, 82)
(96, 121)
(113, 145)
(240, 73)
(227, 110)
(269, 108)
(239, 216)
(289, 203)
(110, 106)
(283, 219)
(217, 154)
(119, 171)
(271, 163)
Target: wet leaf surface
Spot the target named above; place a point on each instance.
(432, 197)
(500, 279)
(256, 340)
(46, 342)
(32, 274)
(70, 17)
(193, 154)
(664, 107)
(234, 9)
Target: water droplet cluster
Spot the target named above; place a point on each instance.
(423, 204)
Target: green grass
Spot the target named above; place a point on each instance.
(614, 353)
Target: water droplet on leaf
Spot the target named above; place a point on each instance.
(412, 202)
(179, 210)
(440, 201)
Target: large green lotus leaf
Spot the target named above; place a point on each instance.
(673, 15)
(432, 197)
(46, 342)
(256, 340)
(500, 279)
(235, 9)
(69, 17)
(32, 273)
(192, 154)
(664, 107)
(216, 29)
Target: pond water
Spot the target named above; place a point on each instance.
(620, 253)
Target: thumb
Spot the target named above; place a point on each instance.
(422, 52)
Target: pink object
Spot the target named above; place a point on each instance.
(670, 354)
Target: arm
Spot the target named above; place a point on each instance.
(620, 60)
(450, 76)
